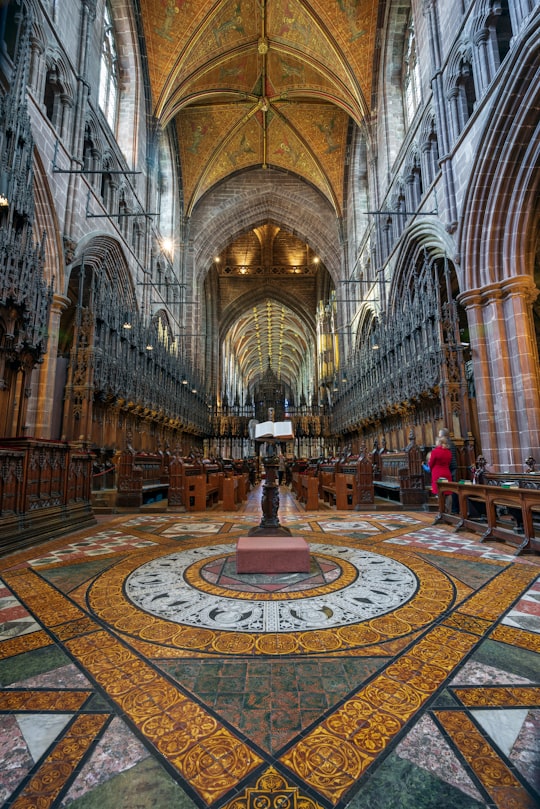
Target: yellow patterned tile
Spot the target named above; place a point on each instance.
(467, 623)
(26, 700)
(43, 788)
(52, 607)
(24, 643)
(497, 779)
(274, 792)
(507, 697)
(517, 637)
(217, 765)
(500, 593)
(327, 763)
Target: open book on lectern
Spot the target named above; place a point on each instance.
(282, 430)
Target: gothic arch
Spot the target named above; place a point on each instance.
(46, 224)
(503, 197)
(253, 298)
(498, 238)
(99, 251)
(58, 95)
(256, 197)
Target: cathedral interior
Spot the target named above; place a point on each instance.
(217, 213)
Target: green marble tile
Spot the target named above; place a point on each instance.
(31, 664)
(445, 700)
(474, 574)
(398, 784)
(145, 786)
(67, 578)
(509, 658)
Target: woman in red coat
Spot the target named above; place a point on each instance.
(439, 463)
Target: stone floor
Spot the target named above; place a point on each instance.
(138, 670)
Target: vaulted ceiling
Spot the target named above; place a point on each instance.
(261, 83)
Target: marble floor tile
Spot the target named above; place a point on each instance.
(139, 669)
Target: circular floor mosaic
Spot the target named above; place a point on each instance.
(191, 601)
(351, 585)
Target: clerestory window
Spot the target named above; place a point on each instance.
(108, 79)
(410, 74)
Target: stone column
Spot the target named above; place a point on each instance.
(45, 401)
(506, 370)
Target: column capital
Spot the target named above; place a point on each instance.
(59, 303)
(519, 285)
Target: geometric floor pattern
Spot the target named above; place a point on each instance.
(138, 670)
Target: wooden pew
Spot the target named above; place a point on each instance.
(299, 468)
(309, 492)
(142, 477)
(522, 480)
(194, 485)
(495, 499)
(230, 493)
(354, 483)
(327, 482)
(399, 476)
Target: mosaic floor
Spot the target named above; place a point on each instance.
(138, 670)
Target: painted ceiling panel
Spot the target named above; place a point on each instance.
(212, 64)
(324, 129)
(291, 25)
(233, 74)
(223, 33)
(286, 150)
(242, 150)
(205, 158)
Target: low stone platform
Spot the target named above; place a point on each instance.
(274, 554)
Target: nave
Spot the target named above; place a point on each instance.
(137, 669)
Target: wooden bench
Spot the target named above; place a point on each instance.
(521, 480)
(194, 485)
(210, 491)
(142, 477)
(298, 469)
(354, 483)
(327, 483)
(344, 485)
(492, 523)
(309, 491)
(399, 476)
(235, 488)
